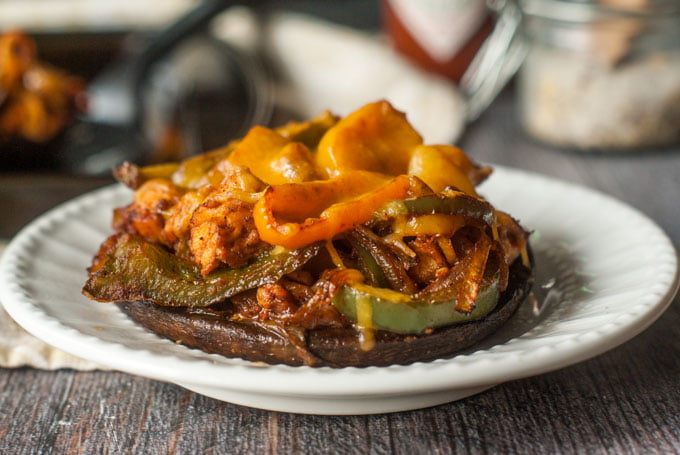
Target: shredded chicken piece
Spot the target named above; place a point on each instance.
(275, 298)
(219, 225)
(511, 236)
(431, 263)
(214, 222)
(235, 177)
(145, 215)
(223, 231)
(178, 222)
(318, 310)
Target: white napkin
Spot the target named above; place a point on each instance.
(326, 67)
(18, 348)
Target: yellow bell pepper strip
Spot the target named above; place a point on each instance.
(378, 138)
(273, 159)
(375, 138)
(309, 132)
(438, 166)
(297, 214)
(133, 176)
(455, 203)
(434, 224)
(191, 172)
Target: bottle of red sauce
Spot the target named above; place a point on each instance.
(441, 36)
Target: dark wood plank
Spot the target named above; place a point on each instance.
(25, 196)
(633, 408)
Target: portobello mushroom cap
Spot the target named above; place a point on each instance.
(256, 341)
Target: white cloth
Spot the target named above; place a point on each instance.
(18, 348)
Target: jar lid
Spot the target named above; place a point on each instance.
(591, 10)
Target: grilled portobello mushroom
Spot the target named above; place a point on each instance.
(211, 332)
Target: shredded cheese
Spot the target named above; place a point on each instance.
(365, 323)
(279, 250)
(431, 224)
(335, 256)
(525, 256)
(445, 245)
(397, 241)
(382, 293)
(494, 231)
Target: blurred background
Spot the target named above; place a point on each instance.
(88, 84)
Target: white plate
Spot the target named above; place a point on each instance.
(605, 272)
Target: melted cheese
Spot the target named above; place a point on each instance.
(494, 231)
(365, 323)
(335, 256)
(382, 293)
(525, 256)
(447, 248)
(433, 224)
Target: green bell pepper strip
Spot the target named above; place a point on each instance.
(460, 204)
(415, 313)
(457, 204)
(410, 314)
(368, 267)
(138, 270)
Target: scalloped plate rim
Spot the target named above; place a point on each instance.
(459, 372)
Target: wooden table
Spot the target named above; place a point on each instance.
(625, 401)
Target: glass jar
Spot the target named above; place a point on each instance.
(441, 36)
(601, 75)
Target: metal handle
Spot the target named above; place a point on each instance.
(187, 25)
(497, 61)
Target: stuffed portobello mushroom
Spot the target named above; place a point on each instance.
(333, 242)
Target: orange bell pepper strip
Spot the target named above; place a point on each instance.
(297, 214)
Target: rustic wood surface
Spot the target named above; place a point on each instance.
(626, 401)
